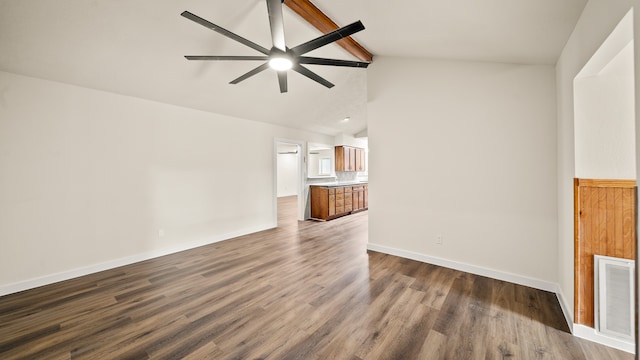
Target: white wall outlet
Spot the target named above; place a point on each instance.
(439, 240)
(160, 232)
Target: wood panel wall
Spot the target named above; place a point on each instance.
(605, 213)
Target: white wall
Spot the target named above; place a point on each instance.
(88, 178)
(597, 21)
(287, 172)
(350, 140)
(605, 120)
(466, 151)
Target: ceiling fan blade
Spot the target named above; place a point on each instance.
(311, 75)
(215, 57)
(225, 32)
(260, 68)
(332, 62)
(276, 22)
(282, 79)
(328, 38)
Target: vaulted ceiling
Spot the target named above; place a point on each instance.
(136, 48)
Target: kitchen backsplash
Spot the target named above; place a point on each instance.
(347, 175)
(340, 177)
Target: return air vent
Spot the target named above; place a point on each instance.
(614, 297)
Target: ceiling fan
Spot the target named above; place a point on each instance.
(280, 57)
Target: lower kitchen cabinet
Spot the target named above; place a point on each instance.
(358, 197)
(328, 202)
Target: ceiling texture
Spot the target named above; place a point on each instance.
(137, 48)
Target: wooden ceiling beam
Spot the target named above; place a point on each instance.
(322, 22)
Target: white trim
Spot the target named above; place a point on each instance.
(588, 333)
(86, 270)
(565, 308)
(580, 331)
(478, 270)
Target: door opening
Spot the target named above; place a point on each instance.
(289, 175)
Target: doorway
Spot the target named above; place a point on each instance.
(288, 180)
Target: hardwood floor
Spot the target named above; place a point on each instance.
(306, 290)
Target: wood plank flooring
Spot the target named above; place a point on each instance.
(306, 290)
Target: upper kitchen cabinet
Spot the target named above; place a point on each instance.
(360, 159)
(350, 158)
(345, 158)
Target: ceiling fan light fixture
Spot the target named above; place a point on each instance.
(280, 63)
(280, 57)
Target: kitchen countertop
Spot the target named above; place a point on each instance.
(340, 183)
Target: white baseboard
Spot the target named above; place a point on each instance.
(591, 334)
(580, 331)
(473, 269)
(565, 308)
(86, 270)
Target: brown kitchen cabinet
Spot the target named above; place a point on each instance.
(331, 206)
(366, 196)
(328, 202)
(348, 199)
(349, 158)
(360, 159)
(358, 197)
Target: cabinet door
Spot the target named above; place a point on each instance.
(354, 200)
(352, 159)
(332, 205)
(366, 197)
(359, 159)
(320, 202)
(340, 157)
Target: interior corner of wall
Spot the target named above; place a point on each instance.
(566, 308)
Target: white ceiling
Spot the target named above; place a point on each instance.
(136, 48)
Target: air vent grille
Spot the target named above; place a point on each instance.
(614, 297)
